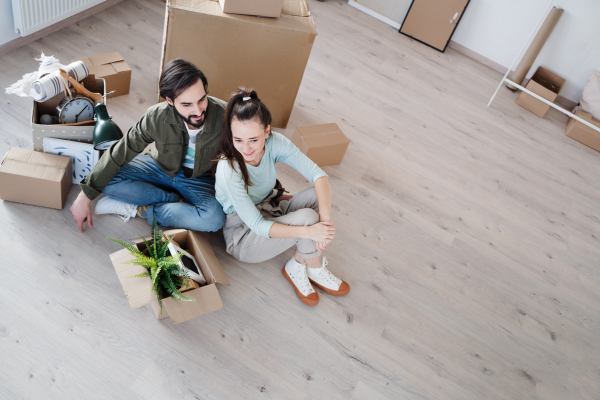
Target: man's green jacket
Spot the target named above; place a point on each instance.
(161, 125)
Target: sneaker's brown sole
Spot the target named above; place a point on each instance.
(311, 300)
(344, 288)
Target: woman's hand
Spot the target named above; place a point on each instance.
(321, 246)
(322, 232)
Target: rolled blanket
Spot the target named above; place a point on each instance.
(50, 85)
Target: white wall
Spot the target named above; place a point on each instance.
(7, 25)
(496, 29)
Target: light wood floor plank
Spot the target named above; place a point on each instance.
(469, 235)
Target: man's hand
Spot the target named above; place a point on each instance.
(82, 211)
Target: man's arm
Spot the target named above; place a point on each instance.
(119, 154)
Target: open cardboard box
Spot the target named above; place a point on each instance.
(583, 133)
(139, 290)
(34, 178)
(545, 84)
(81, 132)
(266, 54)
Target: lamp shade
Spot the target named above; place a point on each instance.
(106, 131)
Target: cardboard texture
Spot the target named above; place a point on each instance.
(324, 144)
(583, 133)
(77, 132)
(139, 290)
(433, 21)
(112, 68)
(264, 8)
(266, 54)
(35, 178)
(545, 84)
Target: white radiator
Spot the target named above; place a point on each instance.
(32, 15)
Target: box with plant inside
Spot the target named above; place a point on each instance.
(155, 278)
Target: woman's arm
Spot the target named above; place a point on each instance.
(323, 191)
(322, 232)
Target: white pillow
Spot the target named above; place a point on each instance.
(590, 98)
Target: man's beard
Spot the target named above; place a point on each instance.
(189, 122)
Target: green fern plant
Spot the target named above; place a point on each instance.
(164, 270)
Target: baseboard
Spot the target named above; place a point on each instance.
(563, 101)
(22, 41)
(374, 14)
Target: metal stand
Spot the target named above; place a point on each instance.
(529, 92)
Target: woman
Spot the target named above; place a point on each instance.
(261, 222)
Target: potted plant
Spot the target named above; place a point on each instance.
(168, 277)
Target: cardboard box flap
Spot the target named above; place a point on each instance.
(293, 8)
(322, 135)
(207, 300)
(204, 6)
(103, 70)
(137, 290)
(44, 166)
(108, 58)
(206, 257)
(297, 8)
(121, 66)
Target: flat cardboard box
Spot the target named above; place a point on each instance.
(77, 132)
(113, 69)
(139, 290)
(262, 8)
(35, 178)
(545, 84)
(324, 144)
(583, 133)
(266, 54)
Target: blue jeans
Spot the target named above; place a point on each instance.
(143, 183)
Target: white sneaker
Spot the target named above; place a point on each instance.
(108, 205)
(296, 274)
(325, 280)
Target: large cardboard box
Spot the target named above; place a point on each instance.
(81, 132)
(583, 133)
(113, 69)
(324, 144)
(35, 178)
(264, 8)
(232, 50)
(545, 84)
(139, 290)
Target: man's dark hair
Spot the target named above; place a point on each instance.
(177, 76)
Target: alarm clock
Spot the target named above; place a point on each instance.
(77, 109)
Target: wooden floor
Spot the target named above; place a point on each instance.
(469, 235)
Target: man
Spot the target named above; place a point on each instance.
(175, 182)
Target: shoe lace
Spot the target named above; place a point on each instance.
(129, 209)
(327, 274)
(304, 282)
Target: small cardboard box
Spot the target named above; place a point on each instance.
(139, 290)
(81, 132)
(263, 8)
(35, 178)
(266, 54)
(112, 68)
(545, 84)
(324, 144)
(583, 133)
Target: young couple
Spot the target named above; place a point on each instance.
(213, 166)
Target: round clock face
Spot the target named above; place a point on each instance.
(77, 110)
